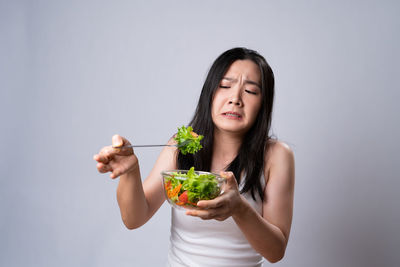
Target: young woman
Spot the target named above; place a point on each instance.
(251, 220)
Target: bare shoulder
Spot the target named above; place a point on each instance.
(278, 152)
(279, 159)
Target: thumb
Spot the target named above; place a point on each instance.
(230, 178)
(117, 140)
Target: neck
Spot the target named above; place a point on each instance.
(225, 149)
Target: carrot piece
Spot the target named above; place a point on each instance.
(176, 190)
(168, 185)
(191, 203)
(172, 192)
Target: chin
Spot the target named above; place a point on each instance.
(232, 128)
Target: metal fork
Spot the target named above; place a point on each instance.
(176, 145)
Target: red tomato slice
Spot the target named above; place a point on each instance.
(183, 197)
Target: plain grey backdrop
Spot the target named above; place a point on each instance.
(73, 73)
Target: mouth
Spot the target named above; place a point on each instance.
(232, 115)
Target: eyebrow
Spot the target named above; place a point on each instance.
(245, 81)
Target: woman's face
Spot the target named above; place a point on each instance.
(237, 100)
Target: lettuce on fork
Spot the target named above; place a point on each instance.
(187, 140)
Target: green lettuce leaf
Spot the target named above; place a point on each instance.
(188, 141)
(199, 186)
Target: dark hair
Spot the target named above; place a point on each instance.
(250, 158)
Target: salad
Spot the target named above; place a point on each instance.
(187, 140)
(186, 188)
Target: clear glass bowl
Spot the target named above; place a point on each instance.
(184, 192)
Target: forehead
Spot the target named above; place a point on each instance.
(245, 68)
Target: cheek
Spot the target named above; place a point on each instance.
(214, 108)
(255, 109)
(213, 105)
(216, 103)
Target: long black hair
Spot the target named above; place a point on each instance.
(250, 158)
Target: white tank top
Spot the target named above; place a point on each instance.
(201, 243)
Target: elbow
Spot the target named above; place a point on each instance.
(276, 258)
(133, 220)
(278, 254)
(131, 225)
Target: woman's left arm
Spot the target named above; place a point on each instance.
(268, 234)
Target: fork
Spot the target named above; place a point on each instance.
(176, 145)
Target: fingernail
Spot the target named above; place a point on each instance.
(116, 141)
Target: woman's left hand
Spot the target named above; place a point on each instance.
(223, 206)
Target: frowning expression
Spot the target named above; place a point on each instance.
(238, 98)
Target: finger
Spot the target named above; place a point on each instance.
(210, 204)
(203, 214)
(230, 178)
(106, 154)
(227, 175)
(217, 214)
(110, 152)
(116, 172)
(124, 151)
(101, 158)
(103, 168)
(117, 141)
(221, 218)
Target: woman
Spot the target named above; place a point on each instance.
(252, 219)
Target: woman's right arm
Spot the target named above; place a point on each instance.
(137, 201)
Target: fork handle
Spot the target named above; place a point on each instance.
(129, 146)
(176, 145)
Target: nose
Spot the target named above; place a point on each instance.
(236, 102)
(236, 98)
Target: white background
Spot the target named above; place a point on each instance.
(73, 73)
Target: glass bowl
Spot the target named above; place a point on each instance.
(184, 188)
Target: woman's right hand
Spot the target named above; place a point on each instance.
(116, 160)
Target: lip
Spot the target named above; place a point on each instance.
(232, 115)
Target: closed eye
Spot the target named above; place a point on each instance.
(223, 86)
(251, 92)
